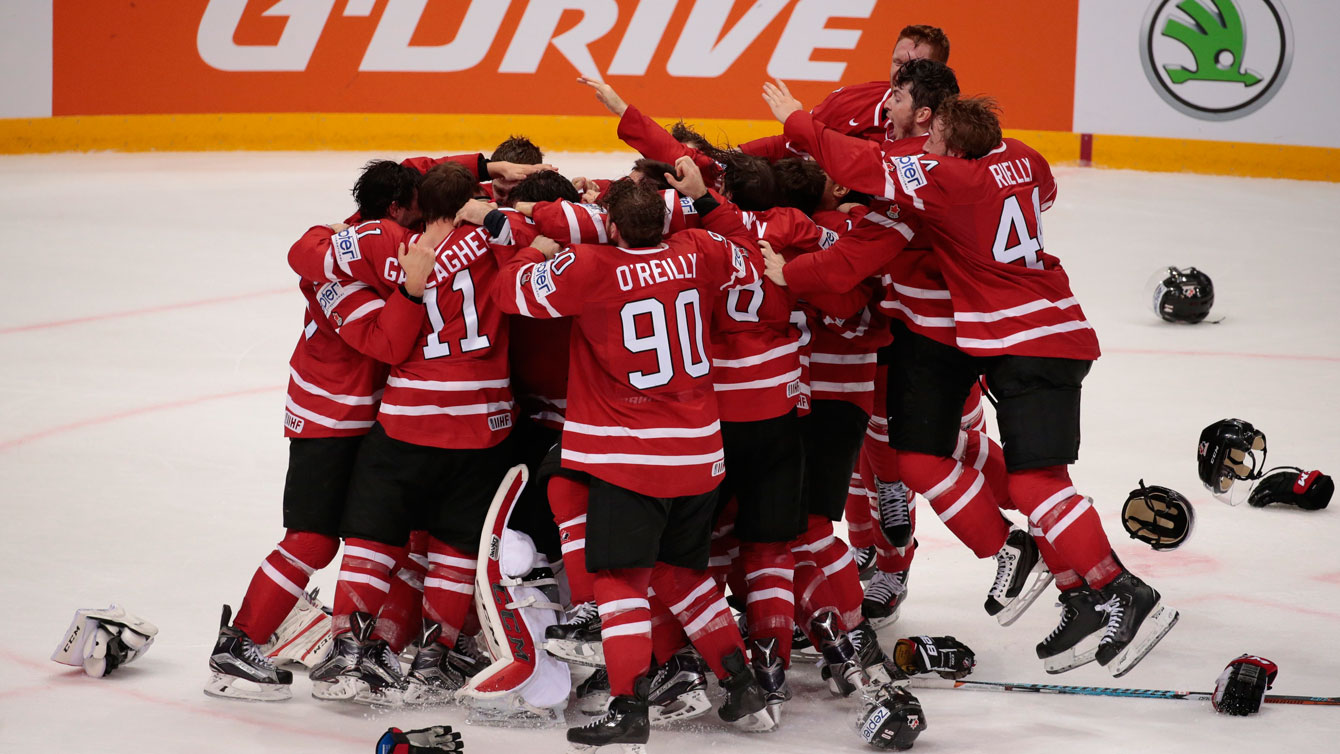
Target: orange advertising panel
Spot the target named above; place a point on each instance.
(689, 58)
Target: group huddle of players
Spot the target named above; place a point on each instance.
(704, 365)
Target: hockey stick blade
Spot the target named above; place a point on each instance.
(1050, 688)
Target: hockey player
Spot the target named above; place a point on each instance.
(1018, 323)
(336, 376)
(643, 425)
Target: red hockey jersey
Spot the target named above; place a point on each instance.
(641, 411)
(852, 110)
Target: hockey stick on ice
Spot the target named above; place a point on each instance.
(1049, 688)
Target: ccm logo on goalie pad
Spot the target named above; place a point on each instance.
(910, 175)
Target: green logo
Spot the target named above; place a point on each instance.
(1197, 55)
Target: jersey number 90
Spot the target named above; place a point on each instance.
(686, 331)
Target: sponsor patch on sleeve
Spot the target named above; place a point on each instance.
(328, 295)
(345, 244)
(910, 175)
(542, 279)
(827, 238)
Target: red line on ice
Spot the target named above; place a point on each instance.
(147, 310)
(17, 441)
(1223, 354)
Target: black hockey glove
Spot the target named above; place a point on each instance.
(1242, 686)
(439, 738)
(945, 655)
(1309, 490)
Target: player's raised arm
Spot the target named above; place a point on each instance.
(846, 264)
(385, 330)
(533, 282)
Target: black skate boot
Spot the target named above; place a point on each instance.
(865, 561)
(744, 706)
(884, 597)
(895, 512)
(342, 676)
(840, 667)
(1136, 621)
(624, 725)
(386, 678)
(870, 656)
(466, 657)
(593, 694)
(238, 670)
(678, 688)
(1074, 641)
(577, 639)
(1021, 577)
(771, 676)
(432, 678)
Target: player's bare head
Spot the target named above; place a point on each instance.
(637, 214)
(801, 183)
(652, 173)
(544, 186)
(444, 190)
(748, 181)
(918, 89)
(690, 137)
(385, 188)
(518, 149)
(919, 41)
(965, 127)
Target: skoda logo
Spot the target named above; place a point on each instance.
(1216, 59)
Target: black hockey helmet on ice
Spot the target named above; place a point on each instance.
(891, 719)
(1228, 452)
(1158, 516)
(1183, 295)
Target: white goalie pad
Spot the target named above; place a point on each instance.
(304, 637)
(524, 686)
(99, 640)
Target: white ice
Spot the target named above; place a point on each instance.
(147, 315)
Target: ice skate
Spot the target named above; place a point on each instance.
(593, 694)
(865, 561)
(678, 689)
(895, 512)
(870, 656)
(577, 639)
(342, 676)
(623, 729)
(238, 669)
(744, 706)
(386, 678)
(433, 678)
(1074, 641)
(884, 597)
(304, 637)
(771, 676)
(840, 668)
(1136, 621)
(1021, 577)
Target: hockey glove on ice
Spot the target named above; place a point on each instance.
(1309, 490)
(100, 641)
(945, 655)
(1242, 686)
(439, 738)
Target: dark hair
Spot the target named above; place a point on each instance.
(544, 186)
(518, 149)
(929, 82)
(686, 134)
(749, 181)
(931, 36)
(444, 190)
(383, 183)
(654, 172)
(638, 211)
(971, 125)
(800, 183)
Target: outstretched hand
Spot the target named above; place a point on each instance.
(546, 246)
(474, 212)
(515, 171)
(772, 263)
(689, 180)
(417, 262)
(780, 101)
(607, 96)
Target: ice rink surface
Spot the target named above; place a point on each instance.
(147, 315)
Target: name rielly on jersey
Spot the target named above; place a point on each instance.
(1012, 172)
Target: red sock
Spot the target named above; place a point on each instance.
(567, 499)
(448, 589)
(725, 555)
(986, 455)
(365, 580)
(401, 616)
(701, 609)
(812, 592)
(959, 496)
(1067, 520)
(279, 582)
(667, 636)
(837, 583)
(860, 526)
(769, 570)
(625, 625)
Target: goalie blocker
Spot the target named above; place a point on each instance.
(100, 641)
(517, 601)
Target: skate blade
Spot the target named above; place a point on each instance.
(226, 686)
(590, 654)
(423, 695)
(775, 712)
(1038, 582)
(383, 697)
(1151, 632)
(686, 707)
(607, 749)
(529, 717)
(755, 722)
(338, 689)
(1077, 656)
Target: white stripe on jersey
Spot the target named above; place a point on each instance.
(821, 386)
(926, 293)
(644, 459)
(843, 358)
(753, 384)
(364, 310)
(324, 421)
(919, 319)
(652, 433)
(431, 410)
(1019, 337)
(446, 386)
(761, 358)
(348, 400)
(1016, 311)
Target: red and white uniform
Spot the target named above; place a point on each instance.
(852, 110)
(642, 414)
